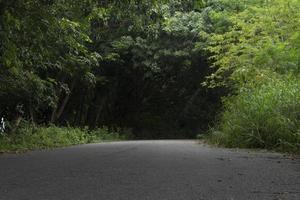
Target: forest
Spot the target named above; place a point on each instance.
(79, 71)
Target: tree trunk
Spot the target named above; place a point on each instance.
(31, 112)
(95, 114)
(191, 101)
(57, 112)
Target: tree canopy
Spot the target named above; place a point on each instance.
(133, 64)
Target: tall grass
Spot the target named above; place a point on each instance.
(262, 116)
(28, 137)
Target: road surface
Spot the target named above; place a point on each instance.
(148, 170)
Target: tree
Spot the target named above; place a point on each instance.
(260, 39)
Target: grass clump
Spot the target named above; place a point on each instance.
(262, 116)
(28, 137)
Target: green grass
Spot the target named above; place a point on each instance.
(262, 116)
(32, 138)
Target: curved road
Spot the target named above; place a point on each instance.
(148, 170)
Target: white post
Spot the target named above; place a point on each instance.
(2, 125)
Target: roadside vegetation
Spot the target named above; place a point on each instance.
(265, 116)
(29, 137)
(258, 56)
(161, 69)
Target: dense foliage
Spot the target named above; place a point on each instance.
(158, 68)
(131, 64)
(266, 116)
(258, 54)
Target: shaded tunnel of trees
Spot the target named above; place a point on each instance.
(138, 66)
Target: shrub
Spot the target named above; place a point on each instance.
(262, 116)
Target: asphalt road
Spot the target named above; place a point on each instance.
(148, 170)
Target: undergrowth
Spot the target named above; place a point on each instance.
(29, 137)
(262, 116)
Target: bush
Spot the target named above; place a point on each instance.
(262, 116)
(28, 137)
